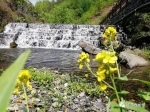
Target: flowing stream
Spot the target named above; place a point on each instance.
(52, 45)
(61, 60)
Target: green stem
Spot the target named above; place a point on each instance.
(26, 97)
(96, 76)
(118, 70)
(108, 85)
(115, 89)
(90, 69)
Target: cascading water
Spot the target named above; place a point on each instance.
(55, 37)
(63, 36)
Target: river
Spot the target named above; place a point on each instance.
(57, 59)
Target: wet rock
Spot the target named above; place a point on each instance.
(89, 48)
(131, 60)
(13, 45)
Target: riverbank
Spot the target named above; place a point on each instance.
(60, 92)
(53, 92)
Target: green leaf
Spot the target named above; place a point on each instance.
(8, 80)
(115, 107)
(119, 93)
(144, 95)
(143, 81)
(124, 78)
(123, 92)
(132, 106)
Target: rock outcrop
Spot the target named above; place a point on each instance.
(89, 48)
(132, 60)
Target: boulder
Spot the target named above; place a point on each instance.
(88, 47)
(13, 45)
(131, 60)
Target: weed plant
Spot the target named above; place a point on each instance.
(108, 67)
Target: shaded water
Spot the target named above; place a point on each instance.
(62, 60)
(59, 59)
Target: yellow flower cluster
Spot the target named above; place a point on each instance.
(109, 35)
(24, 78)
(105, 59)
(83, 58)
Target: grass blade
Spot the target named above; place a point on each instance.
(8, 80)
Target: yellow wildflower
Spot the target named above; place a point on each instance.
(106, 57)
(86, 75)
(19, 101)
(109, 35)
(24, 95)
(110, 59)
(104, 36)
(112, 70)
(100, 56)
(28, 85)
(101, 66)
(16, 91)
(81, 66)
(103, 87)
(102, 71)
(106, 41)
(24, 76)
(111, 30)
(100, 77)
(83, 58)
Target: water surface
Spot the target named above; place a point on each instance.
(58, 59)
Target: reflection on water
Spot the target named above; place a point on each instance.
(63, 60)
(58, 59)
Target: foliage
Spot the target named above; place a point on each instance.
(139, 25)
(69, 11)
(107, 67)
(76, 84)
(146, 53)
(7, 84)
(62, 11)
(16, 11)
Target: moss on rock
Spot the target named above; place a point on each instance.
(13, 45)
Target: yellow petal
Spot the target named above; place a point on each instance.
(86, 75)
(103, 87)
(112, 69)
(102, 71)
(105, 61)
(80, 66)
(99, 79)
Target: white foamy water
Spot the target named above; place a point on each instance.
(50, 35)
(55, 36)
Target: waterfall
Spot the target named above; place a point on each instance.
(59, 36)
